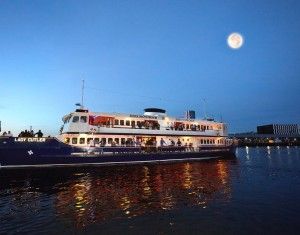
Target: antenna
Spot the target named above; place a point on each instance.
(82, 93)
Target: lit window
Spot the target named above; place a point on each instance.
(74, 140)
(103, 141)
(81, 140)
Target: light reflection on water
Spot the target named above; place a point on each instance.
(218, 191)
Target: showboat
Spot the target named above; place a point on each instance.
(92, 138)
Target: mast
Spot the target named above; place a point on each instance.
(82, 93)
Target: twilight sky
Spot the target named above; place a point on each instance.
(137, 54)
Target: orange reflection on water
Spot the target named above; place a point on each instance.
(187, 183)
(129, 191)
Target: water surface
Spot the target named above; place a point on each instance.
(258, 192)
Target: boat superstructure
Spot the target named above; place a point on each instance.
(152, 128)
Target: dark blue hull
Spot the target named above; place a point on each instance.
(52, 152)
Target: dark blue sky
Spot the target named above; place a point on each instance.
(137, 54)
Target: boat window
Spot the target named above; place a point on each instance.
(122, 141)
(81, 140)
(127, 123)
(75, 119)
(89, 140)
(103, 141)
(187, 126)
(129, 142)
(201, 141)
(207, 127)
(109, 140)
(67, 140)
(96, 140)
(83, 119)
(210, 141)
(122, 122)
(117, 140)
(74, 140)
(133, 123)
(116, 122)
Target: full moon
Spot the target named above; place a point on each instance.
(235, 40)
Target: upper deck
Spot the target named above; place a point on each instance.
(152, 122)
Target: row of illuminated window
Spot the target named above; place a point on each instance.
(123, 141)
(211, 141)
(118, 122)
(101, 141)
(83, 119)
(126, 123)
(192, 127)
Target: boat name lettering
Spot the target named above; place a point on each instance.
(142, 116)
(30, 139)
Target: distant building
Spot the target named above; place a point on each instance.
(279, 129)
(190, 114)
